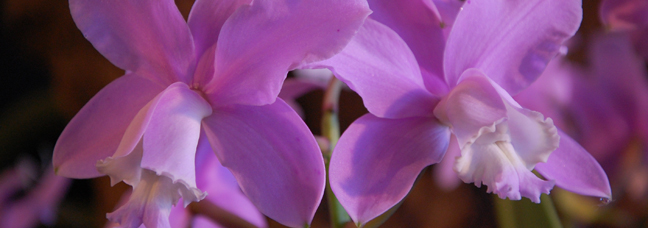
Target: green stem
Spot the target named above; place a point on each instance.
(331, 131)
(524, 213)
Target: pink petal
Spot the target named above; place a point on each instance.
(471, 106)
(377, 160)
(575, 170)
(222, 188)
(161, 167)
(552, 93)
(171, 137)
(498, 151)
(127, 167)
(505, 174)
(145, 36)
(444, 175)
(96, 131)
(260, 43)
(149, 204)
(179, 217)
(418, 23)
(206, 19)
(379, 66)
(274, 157)
(510, 40)
(47, 195)
(448, 10)
(38, 205)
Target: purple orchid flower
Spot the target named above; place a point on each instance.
(419, 91)
(621, 75)
(627, 16)
(219, 72)
(614, 88)
(223, 190)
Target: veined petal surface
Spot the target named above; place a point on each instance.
(97, 130)
(419, 24)
(222, 188)
(145, 36)
(260, 43)
(471, 106)
(171, 138)
(498, 152)
(575, 170)
(274, 157)
(377, 160)
(511, 41)
(379, 66)
(206, 19)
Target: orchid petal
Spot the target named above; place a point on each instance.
(206, 19)
(179, 217)
(498, 152)
(575, 170)
(511, 41)
(274, 157)
(379, 66)
(444, 175)
(132, 139)
(553, 92)
(471, 106)
(376, 161)
(222, 188)
(149, 204)
(172, 136)
(161, 167)
(96, 131)
(448, 10)
(250, 68)
(495, 165)
(418, 23)
(145, 36)
(40, 203)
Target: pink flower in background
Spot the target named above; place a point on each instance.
(420, 89)
(41, 199)
(219, 72)
(614, 88)
(629, 16)
(603, 106)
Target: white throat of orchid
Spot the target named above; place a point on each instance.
(157, 157)
(500, 141)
